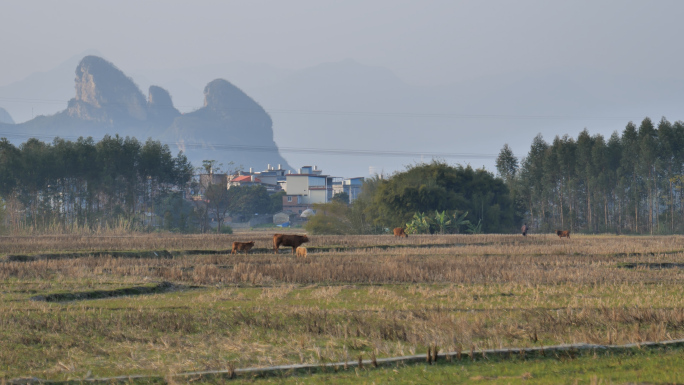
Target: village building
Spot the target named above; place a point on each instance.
(272, 178)
(310, 186)
(306, 187)
(351, 186)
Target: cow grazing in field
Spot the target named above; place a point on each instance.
(524, 229)
(563, 233)
(399, 232)
(301, 252)
(242, 246)
(291, 240)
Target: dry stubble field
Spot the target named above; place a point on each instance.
(87, 306)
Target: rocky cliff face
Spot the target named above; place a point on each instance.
(5, 116)
(231, 127)
(238, 125)
(105, 94)
(159, 100)
(160, 108)
(241, 114)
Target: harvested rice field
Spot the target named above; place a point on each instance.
(77, 307)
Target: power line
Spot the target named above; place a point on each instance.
(368, 113)
(324, 151)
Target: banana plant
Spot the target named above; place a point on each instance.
(442, 221)
(477, 229)
(420, 224)
(460, 221)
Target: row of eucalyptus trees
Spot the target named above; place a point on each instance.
(83, 181)
(628, 183)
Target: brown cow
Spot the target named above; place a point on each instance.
(399, 232)
(301, 252)
(524, 229)
(242, 246)
(563, 233)
(288, 240)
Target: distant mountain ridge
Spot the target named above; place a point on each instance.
(5, 117)
(109, 102)
(42, 93)
(349, 105)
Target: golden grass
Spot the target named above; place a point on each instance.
(424, 265)
(490, 244)
(453, 292)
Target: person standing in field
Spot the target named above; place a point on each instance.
(524, 229)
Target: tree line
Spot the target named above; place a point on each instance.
(86, 183)
(425, 198)
(628, 183)
(631, 182)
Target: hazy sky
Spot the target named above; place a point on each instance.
(423, 42)
(427, 42)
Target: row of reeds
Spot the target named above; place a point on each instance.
(435, 265)
(486, 244)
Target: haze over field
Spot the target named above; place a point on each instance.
(370, 79)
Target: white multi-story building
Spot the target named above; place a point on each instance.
(351, 186)
(307, 187)
(310, 186)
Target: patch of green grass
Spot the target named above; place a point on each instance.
(250, 326)
(266, 226)
(633, 366)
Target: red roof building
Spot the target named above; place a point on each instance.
(245, 179)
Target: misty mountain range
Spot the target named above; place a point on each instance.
(373, 116)
(109, 102)
(5, 117)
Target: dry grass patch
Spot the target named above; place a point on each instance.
(278, 292)
(457, 291)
